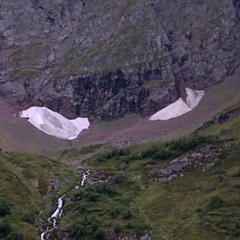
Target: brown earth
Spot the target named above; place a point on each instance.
(16, 134)
(19, 135)
(134, 129)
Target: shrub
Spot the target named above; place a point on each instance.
(29, 218)
(216, 202)
(127, 214)
(119, 178)
(15, 236)
(77, 231)
(101, 159)
(105, 189)
(236, 231)
(134, 156)
(190, 142)
(125, 199)
(91, 196)
(5, 227)
(78, 194)
(115, 212)
(94, 226)
(100, 234)
(124, 152)
(164, 154)
(93, 193)
(83, 207)
(113, 153)
(174, 148)
(129, 225)
(4, 208)
(122, 167)
(117, 228)
(237, 174)
(149, 152)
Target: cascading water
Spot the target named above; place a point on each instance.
(58, 212)
(84, 177)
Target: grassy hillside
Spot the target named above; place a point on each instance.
(129, 191)
(29, 187)
(184, 188)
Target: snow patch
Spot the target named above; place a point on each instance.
(54, 123)
(193, 97)
(179, 107)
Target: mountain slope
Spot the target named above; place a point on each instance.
(19, 135)
(29, 187)
(111, 58)
(187, 188)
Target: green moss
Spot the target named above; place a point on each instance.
(200, 205)
(156, 84)
(86, 57)
(128, 38)
(21, 200)
(24, 74)
(31, 54)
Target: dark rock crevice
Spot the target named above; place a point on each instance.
(122, 57)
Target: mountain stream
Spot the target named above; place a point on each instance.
(52, 221)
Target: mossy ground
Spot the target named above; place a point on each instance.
(26, 201)
(199, 205)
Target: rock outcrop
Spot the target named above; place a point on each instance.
(110, 58)
(204, 159)
(220, 118)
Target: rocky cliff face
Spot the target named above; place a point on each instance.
(110, 58)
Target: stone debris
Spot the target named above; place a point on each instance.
(54, 185)
(134, 237)
(206, 158)
(146, 74)
(172, 171)
(35, 183)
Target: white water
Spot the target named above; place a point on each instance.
(47, 231)
(52, 220)
(54, 123)
(84, 177)
(59, 211)
(179, 107)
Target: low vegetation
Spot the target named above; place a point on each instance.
(175, 148)
(129, 203)
(30, 185)
(121, 198)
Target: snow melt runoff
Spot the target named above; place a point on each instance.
(179, 107)
(54, 123)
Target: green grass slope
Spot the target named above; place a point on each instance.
(122, 197)
(30, 185)
(127, 192)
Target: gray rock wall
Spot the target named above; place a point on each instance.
(111, 58)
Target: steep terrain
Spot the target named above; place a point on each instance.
(110, 58)
(18, 134)
(30, 185)
(121, 61)
(186, 188)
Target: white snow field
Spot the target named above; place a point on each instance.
(179, 107)
(54, 123)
